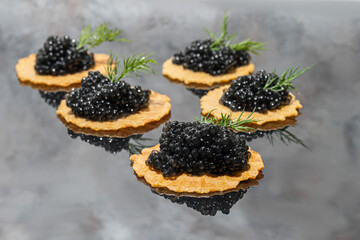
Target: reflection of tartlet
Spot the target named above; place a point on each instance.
(109, 106)
(213, 61)
(63, 61)
(197, 157)
(209, 203)
(264, 95)
(133, 144)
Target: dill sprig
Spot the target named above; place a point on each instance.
(249, 45)
(133, 64)
(102, 33)
(285, 80)
(227, 121)
(138, 146)
(224, 40)
(286, 137)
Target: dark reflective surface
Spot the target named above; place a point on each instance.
(52, 187)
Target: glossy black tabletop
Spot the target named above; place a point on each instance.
(54, 186)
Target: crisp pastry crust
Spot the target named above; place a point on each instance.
(186, 183)
(179, 73)
(242, 186)
(211, 101)
(157, 112)
(29, 77)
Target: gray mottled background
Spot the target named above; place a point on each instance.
(53, 187)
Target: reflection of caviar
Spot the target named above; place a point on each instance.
(100, 99)
(112, 145)
(248, 93)
(198, 92)
(248, 136)
(52, 98)
(60, 56)
(209, 205)
(199, 149)
(199, 57)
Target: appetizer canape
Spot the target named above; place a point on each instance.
(199, 157)
(264, 95)
(212, 61)
(62, 61)
(105, 105)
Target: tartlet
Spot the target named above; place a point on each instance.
(184, 163)
(109, 106)
(177, 73)
(151, 117)
(264, 96)
(29, 77)
(63, 61)
(212, 62)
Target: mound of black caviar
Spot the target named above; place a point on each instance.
(60, 56)
(248, 93)
(209, 205)
(52, 98)
(199, 149)
(100, 99)
(199, 57)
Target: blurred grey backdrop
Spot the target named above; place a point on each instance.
(53, 187)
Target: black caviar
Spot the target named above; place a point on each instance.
(100, 99)
(197, 149)
(52, 98)
(248, 93)
(60, 56)
(199, 57)
(209, 205)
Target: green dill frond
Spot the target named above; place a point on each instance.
(227, 121)
(285, 80)
(102, 33)
(225, 40)
(248, 45)
(137, 145)
(133, 64)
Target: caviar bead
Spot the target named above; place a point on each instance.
(199, 57)
(211, 150)
(59, 56)
(248, 93)
(100, 99)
